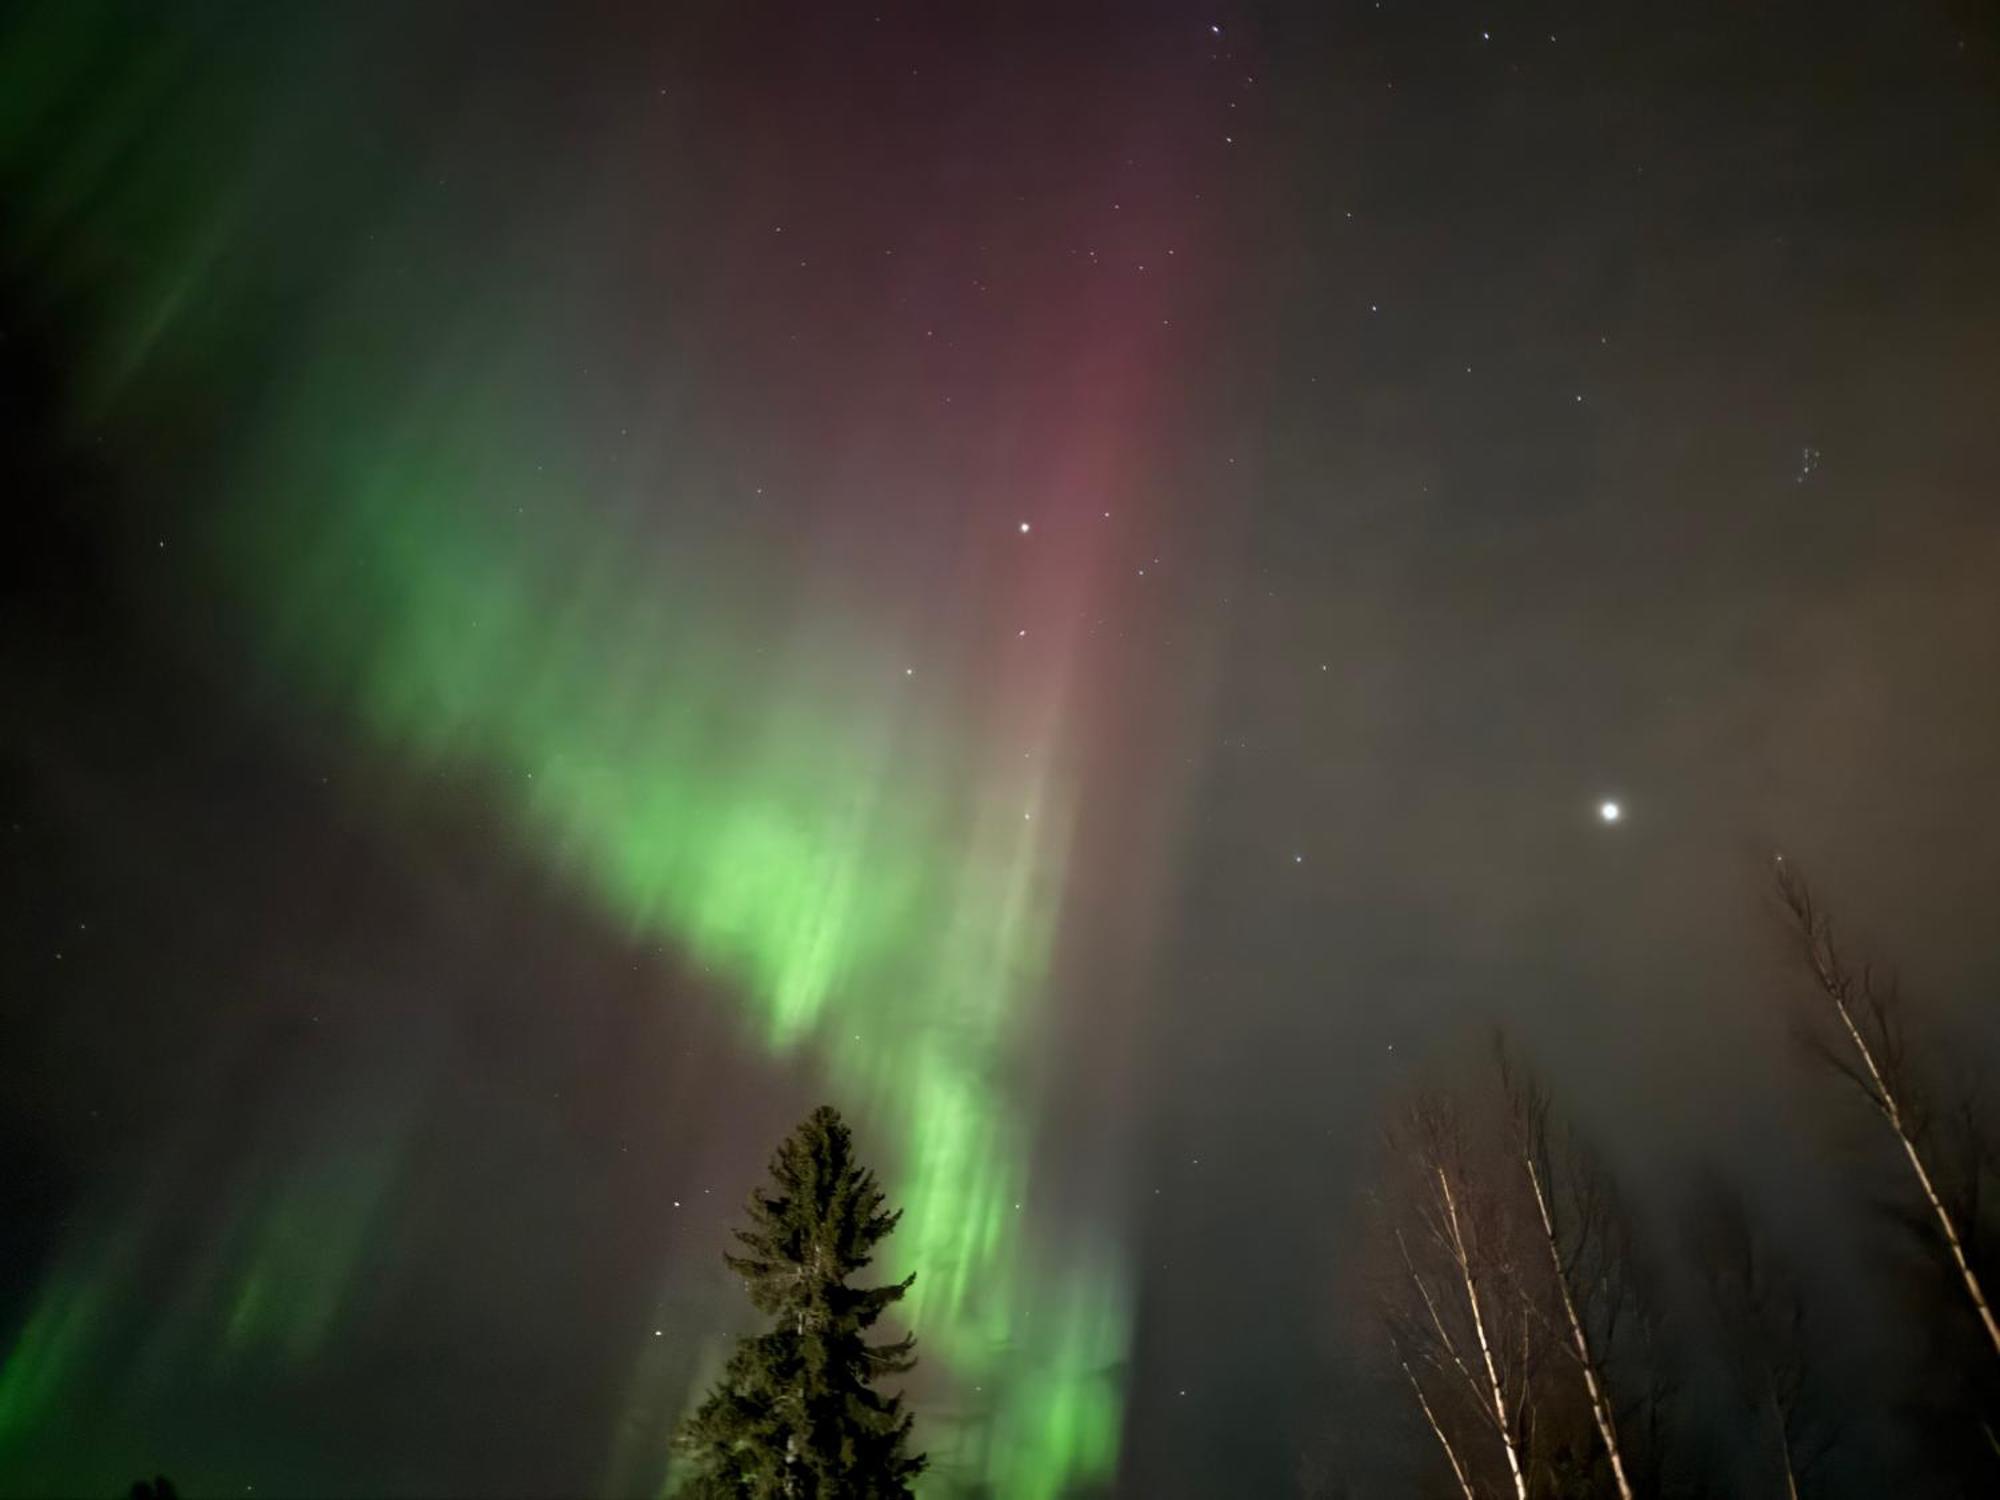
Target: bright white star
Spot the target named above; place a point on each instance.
(1610, 812)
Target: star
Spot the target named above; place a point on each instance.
(1610, 812)
(1024, 528)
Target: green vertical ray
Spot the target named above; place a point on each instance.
(50, 1351)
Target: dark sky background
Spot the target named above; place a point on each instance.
(556, 557)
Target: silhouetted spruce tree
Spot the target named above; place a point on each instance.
(796, 1413)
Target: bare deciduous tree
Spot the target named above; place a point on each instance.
(1573, 1224)
(1457, 1307)
(1864, 1042)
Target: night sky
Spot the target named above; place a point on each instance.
(580, 579)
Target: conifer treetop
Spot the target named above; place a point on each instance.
(795, 1415)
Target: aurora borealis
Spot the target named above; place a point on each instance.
(852, 810)
(610, 572)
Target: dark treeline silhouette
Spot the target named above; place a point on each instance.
(1547, 1348)
(1763, 1330)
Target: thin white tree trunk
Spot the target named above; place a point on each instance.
(1437, 1430)
(1837, 984)
(1892, 1111)
(1600, 1405)
(1498, 1397)
(1784, 1443)
(1445, 1341)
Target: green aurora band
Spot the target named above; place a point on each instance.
(414, 542)
(807, 842)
